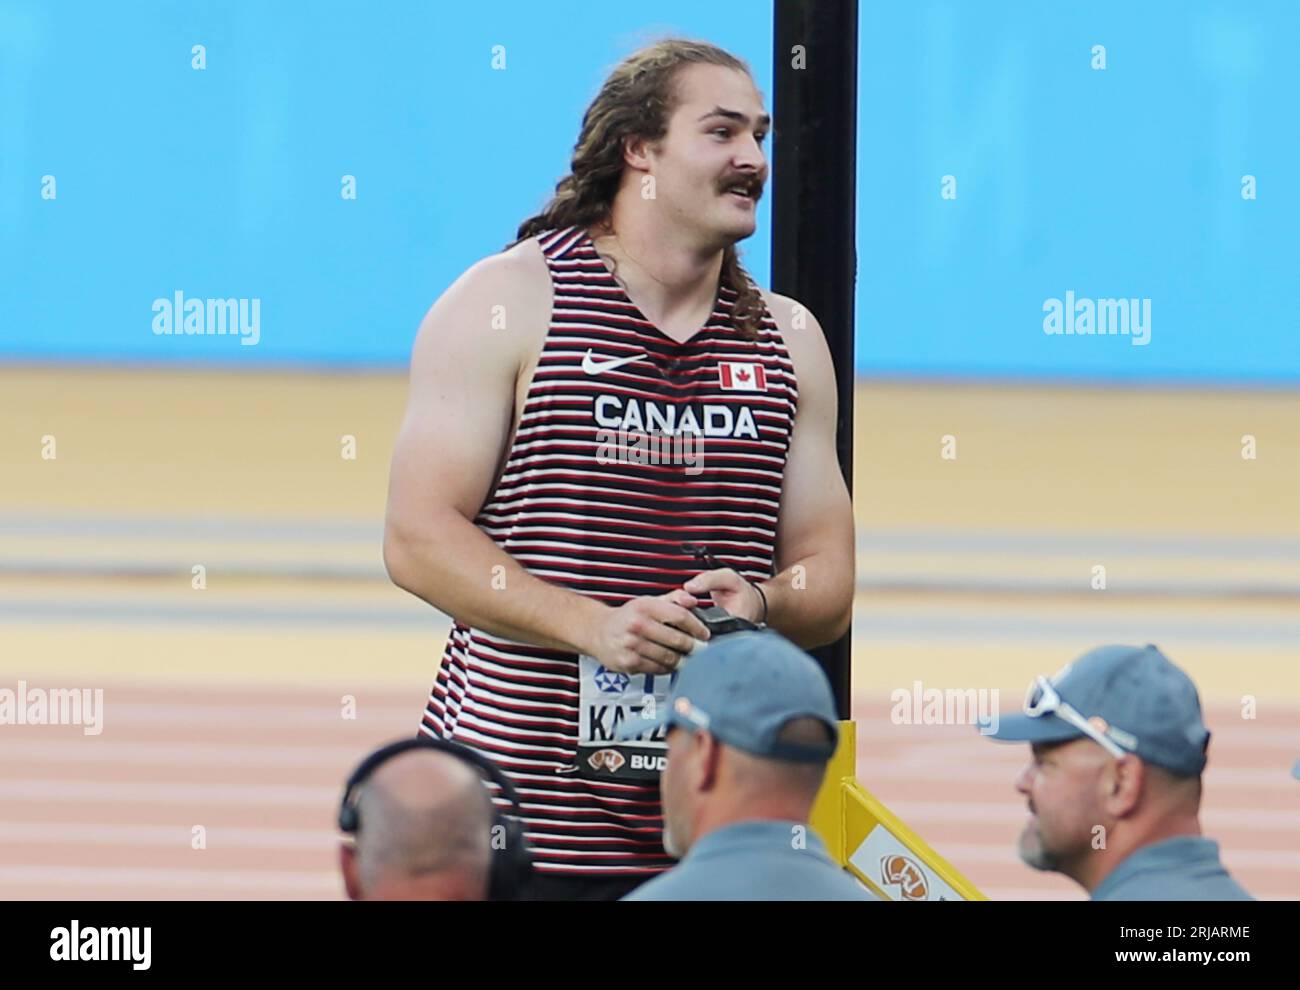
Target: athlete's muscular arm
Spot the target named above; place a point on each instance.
(810, 600)
(814, 605)
(452, 440)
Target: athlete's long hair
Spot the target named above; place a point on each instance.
(637, 100)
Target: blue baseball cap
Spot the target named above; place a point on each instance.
(1139, 699)
(743, 687)
(1295, 770)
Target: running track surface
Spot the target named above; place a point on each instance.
(259, 773)
(224, 721)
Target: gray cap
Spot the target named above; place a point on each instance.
(743, 688)
(1150, 707)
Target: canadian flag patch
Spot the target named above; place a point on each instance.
(736, 376)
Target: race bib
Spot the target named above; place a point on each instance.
(607, 701)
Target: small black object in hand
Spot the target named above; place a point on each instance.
(719, 621)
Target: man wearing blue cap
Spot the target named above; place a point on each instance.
(750, 725)
(1114, 786)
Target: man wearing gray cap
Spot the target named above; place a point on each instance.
(1114, 786)
(750, 727)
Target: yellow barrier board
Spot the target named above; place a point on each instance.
(873, 843)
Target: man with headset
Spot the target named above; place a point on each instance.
(425, 828)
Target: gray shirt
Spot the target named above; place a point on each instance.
(755, 861)
(1184, 868)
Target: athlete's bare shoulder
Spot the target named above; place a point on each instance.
(516, 279)
(800, 328)
(784, 309)
(520, 269)
(803, 338)
(779, 306)
(498, 305)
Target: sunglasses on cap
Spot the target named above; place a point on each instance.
(1042, 699)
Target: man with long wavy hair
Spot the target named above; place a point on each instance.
(609, 424)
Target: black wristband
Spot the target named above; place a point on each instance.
(763, 620)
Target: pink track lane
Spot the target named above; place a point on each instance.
(258, 773)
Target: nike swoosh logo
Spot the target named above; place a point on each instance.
(592, 366)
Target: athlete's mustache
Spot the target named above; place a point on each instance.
(752, 184)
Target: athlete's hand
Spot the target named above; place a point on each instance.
(730, 591)
(648, 635)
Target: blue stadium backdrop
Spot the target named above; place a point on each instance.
(1009, 153)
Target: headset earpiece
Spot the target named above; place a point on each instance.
(510, 866)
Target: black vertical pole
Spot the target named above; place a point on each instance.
(815, 105)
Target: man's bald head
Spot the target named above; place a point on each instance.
(424, 831)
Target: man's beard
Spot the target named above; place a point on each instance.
(1033, 852)
(670, 841)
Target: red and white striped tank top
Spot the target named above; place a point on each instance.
(579, 511)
